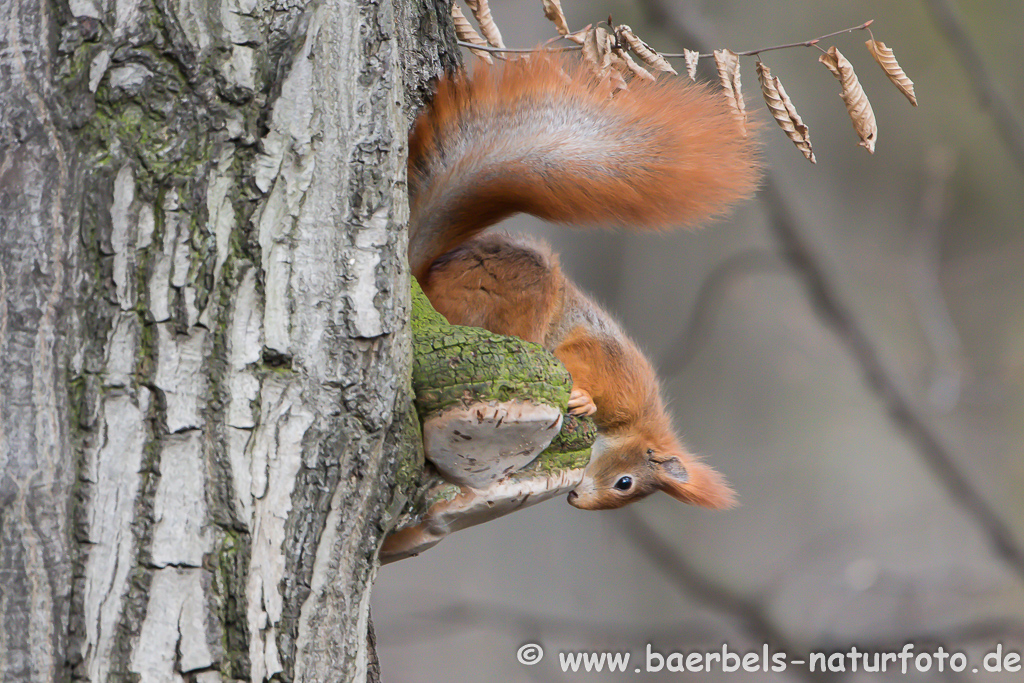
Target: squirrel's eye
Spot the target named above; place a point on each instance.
(624, 483)
(650, 451)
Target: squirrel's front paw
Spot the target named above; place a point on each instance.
(581, 403)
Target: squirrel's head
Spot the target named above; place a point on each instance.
(627, 467)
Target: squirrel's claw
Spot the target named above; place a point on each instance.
(581, 403)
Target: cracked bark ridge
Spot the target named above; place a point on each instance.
(38, 249)
(204, 411)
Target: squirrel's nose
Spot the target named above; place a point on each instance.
(573, 495)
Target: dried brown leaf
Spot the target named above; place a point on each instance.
(647, 54)
(482, 14)
(579, 37)
(728, 63)
(591, 49)
(784, 112)
(617, 81)
(857, 104)
(553, 11)
(465, 32)
(597, 51)
(691, 58)
(624, 63)
(887, 60)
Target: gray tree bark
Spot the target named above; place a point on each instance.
(205, 415)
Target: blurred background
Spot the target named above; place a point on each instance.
(848, 349)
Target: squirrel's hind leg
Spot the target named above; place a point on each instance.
(506, 284)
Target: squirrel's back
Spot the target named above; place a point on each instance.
(542, 136)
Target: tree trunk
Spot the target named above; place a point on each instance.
(204, 398)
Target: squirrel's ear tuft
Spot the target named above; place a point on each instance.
(694, 482)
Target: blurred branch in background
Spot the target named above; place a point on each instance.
(692, 337)
(834, 313)
(990, 95)
(753, 617)
(755, 620)
(925, 287)
(691, 30)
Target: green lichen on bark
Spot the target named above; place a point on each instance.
(410, 453)
(570, 449)
(465, 365)
(454, 364)
(230, 575)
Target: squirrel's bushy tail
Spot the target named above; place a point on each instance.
(542, 136)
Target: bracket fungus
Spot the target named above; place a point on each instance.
(494, 430)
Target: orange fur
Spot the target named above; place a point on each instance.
(542, 137)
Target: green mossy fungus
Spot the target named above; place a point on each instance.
(570, 450)
(455, 365)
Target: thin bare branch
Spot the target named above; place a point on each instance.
(804, 43)
(519, 50)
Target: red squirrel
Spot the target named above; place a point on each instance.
(543, 136)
